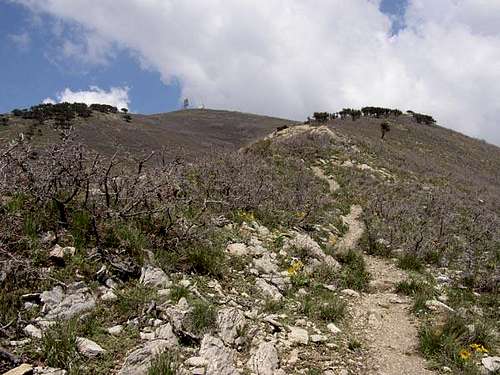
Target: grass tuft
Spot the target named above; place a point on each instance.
(177, 292)
(164, 364)
(410, 262)
(354, 274)
(59, 345)
(202, 317)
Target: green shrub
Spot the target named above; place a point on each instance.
(205, 257)
(132, 299)
(323, 305)
(412, 287)
(452, 345)
(325, 274)
(81, 227)
(410, 262)
(332, 311)
(273, 306)
(354, 344)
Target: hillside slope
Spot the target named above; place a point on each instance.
(432, 153)
(288, 253)
(192, 131)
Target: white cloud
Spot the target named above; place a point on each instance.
(22, 41)
(116, 96)
(292, 57)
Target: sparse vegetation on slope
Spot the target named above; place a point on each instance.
(232, 259)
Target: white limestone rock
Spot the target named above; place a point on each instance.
(220, 359)
(154, 277)
(264, 360)
(298, 335)
(89, 348)
(230, 322)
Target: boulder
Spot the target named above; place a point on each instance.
(33, 331)
(115, 330)
(58, 253)
(492, 364)
(298, 336)
(230, 322)
(139, 359)
(350, 293)
(220, 359)
(109, 296)
(333, 328)
(265, 360)
(61, 305)
(154, 277)
(318, 338)
(196, 362)
(311, 248)
(238, 249)
(266, 264)
(89, 348)
(49, 371)
(438, 306)
(268, 290)
(176, 314)
(165, 332)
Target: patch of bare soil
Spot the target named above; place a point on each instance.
(333, 185)
(385, 325)
(356, 229)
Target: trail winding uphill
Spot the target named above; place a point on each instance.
(389, 332)
(381, 318)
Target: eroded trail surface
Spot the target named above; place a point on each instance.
(388, 330)
(356, 229)
(381, 319)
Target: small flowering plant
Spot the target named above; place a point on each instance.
(295, 267)
(478, 348)
(475, 348)
(464, 354)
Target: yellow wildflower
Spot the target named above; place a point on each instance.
(295, 267)
(479, 348)
(464, 354)
(332, 240)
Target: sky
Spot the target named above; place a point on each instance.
(285, 58)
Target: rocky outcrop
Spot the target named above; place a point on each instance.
(268, 290)
(139, 360)
(220, 359)
(231, 323)
(154, 277)
(311, 248)
(264, 361)
(59, 304)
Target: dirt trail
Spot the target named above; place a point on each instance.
(384, 322)
(381, 319)
(356, 229)
(318, 172)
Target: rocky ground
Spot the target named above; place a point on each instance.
(272, 315)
